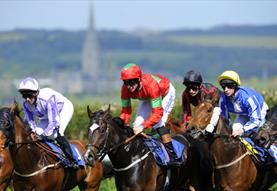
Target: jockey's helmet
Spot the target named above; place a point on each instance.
(28, 84)
(229, 76)
(192, 77)
(130, 71)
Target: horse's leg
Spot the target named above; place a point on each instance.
(94, 176)
(6, 169)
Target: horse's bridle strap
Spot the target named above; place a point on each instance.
(132, 164)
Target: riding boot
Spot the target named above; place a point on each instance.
(64, 144)
(166, 139)
(272, 150)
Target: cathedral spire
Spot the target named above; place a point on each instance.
(90, 56)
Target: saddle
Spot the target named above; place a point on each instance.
(61, 156)
(260, 156)
(160, 154)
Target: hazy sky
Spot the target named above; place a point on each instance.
(133, 14)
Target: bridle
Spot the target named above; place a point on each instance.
(102, 152)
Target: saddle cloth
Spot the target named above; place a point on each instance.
(258, 151)
(159, 152)
(75, 152)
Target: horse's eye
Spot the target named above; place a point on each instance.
(6, 124)
(102, 130)
(210, 110)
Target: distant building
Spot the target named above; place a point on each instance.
(94, 76)
(91, 60)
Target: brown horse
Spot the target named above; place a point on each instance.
(134, 166)
(234, 168)
(6, 167)
(35, 166)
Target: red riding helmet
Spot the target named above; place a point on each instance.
(130, 71)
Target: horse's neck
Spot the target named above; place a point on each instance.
(20, 131)
(222, 127)
(124, 154)
(223, 142)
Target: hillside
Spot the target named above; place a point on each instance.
(250, 50)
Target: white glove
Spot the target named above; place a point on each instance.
(138, 129)
(39, 131)
(209, 128)
(237, 131)
(49, 133)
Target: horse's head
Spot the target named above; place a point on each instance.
(99, 134)
(201, 118)
(7, 123)
(268, 132)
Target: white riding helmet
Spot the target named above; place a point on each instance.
(28, 84)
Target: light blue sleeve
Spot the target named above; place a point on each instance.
(53, 114)
(254, 114)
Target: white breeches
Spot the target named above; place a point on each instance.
(144, 109)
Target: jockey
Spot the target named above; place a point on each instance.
(196, 91)
(54, 111)
(248, 105)
(157, 97)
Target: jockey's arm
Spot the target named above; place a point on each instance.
(53, 116)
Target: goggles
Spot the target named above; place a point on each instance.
(130, 82)
(228, 85)
(193, 87)
(28, 94)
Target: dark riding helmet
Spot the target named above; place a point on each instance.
(192, 77)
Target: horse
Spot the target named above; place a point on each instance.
(268, 133)
(134, 166)
(233, 166)
(201, 160)
(34, 162)
(6, 167)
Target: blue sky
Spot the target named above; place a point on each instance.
(135, 14)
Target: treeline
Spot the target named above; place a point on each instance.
(170, 52)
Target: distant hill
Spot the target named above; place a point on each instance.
(268, 30)
(250, 50)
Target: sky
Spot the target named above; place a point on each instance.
(128, 15)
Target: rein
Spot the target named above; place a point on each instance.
(38, 171)
(233, 162)
(43, 147)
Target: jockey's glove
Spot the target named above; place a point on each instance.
(237, 131)
(39, 131)
(138, 129)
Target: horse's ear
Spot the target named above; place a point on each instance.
(88, 111)
(14, 107)
(109, 108)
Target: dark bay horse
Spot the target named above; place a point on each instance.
(35, 166)
(268, 133)
(134, 166)
(234, 168)
(201, 166)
